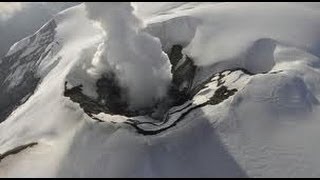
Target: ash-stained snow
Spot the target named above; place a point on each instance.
(254, 110)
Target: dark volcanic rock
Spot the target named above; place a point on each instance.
(175, 55)
(183, 71)
(89, 105)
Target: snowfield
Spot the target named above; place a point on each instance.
(254, 110)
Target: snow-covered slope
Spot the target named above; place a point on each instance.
(251, 70)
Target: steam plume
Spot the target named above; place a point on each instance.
(135, 56)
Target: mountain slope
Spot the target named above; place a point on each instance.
(244, 98)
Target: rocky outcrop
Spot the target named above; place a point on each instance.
(183, 71)
(18, 79)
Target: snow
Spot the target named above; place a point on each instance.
(226, 30)
(268, 128)
(18, 46)
(110, 118)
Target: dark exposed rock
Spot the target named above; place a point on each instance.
(183, 72)
(89, 105)
(175, 55)
(221, 94)
(12, 99)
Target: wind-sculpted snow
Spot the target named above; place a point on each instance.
(178, 30)
(245, 97)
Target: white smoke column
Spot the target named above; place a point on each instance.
(135, 56)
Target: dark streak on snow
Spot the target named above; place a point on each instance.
(220, 95)
(16, 150)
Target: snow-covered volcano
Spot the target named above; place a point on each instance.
(243, 99)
